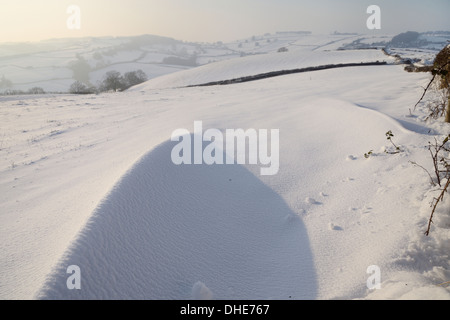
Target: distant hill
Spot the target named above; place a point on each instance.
(54, 65)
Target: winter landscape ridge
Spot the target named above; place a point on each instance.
(88, 180)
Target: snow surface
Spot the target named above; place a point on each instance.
(88, 181)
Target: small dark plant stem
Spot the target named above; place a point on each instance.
(394, 144)
(437, 200)
(435, 73)
(425, 91)
(435, 164)
(431, 179)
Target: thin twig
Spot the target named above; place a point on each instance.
(443, 284)
(431, 179)
(425, 91)
(435, 162)
(437, 200)
(435, 73)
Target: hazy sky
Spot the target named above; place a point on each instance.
(213, 20)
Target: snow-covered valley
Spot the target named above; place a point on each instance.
(88, 181)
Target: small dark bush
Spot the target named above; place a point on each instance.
(36, 90)
(79, 87)
(405, 39)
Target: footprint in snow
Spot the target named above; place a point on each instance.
(312, 201)
(333, 227)
(366, 209)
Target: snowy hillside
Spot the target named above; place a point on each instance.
(55, 64)
(89, 181)
(254, 65)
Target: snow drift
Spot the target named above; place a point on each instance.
(165, 228)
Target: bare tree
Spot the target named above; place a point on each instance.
(79, 87)
(5, 83)
(36, 90)
(113, 81)
(133, 78)
(80, 68)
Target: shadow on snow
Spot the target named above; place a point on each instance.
(164, 229)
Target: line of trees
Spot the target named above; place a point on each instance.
(112, 81)
(15, 92)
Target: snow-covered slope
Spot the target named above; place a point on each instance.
(259, 64)
(88, 181)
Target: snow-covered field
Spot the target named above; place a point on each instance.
(89, 181)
